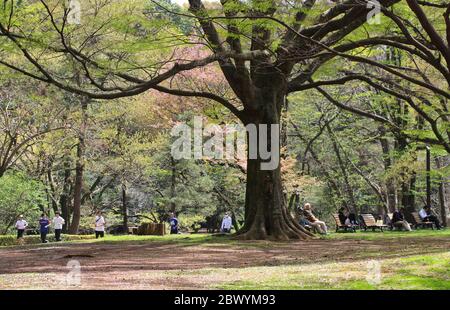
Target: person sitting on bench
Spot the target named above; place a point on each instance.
(398, 219)
(319, 225)
(303, 221)
(427, 216)
(347, 218)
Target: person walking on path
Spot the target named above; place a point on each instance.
(99, 225)
(44, 223)
(58, 223)
(21, 224)
(226, 223)
(173, 221)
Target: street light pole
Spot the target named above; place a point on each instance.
(428, 176)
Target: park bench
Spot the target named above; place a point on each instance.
(340, 225)
(369, 221)
(308, 227)
(419, 222)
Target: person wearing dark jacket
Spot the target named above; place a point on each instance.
(398, 219)
(173, 221)
(44, 223)
(347, 218)
(342, 216)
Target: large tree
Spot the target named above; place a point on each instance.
(265, 50)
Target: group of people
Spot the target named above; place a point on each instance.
(349, 219)
(308, 219)
(425, 214)
(225, 227)
(44, 224)
(58, 222)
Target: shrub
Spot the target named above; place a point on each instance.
(191, 222)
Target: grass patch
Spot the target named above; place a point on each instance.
(187, 240)
(191, 239)
(389, 235)
(11, 240)
(421, 272)
(227, 240)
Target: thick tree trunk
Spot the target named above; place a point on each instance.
(266, 214)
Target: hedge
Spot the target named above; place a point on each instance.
(9, 240)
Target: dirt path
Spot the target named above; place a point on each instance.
(133, 265)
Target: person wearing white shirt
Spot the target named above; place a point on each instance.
(427, 216)
(58, 223)
(99, 225)
(423, 214)
(226, 223)
(21, 224)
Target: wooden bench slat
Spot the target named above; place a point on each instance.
(370, 222)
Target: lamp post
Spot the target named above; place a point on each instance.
(427, 148)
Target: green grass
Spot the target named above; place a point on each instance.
(419, 272)
(389, 235)
(209, 239)
(186, 240)
(227, 240)
(12, 241)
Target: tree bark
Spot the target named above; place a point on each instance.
(79, 170)
(442, 195)
(266, 214)
(64, 198)
(391, 192)
(52, 192)
(124, 208)
(408, 196)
